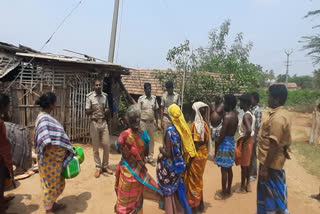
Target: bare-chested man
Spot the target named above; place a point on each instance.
(216, 117)
(224, 153)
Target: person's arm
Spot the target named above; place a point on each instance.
(162, 111)
(212, 107)
(275, 134)
(156, 107)
(106, 109)
(223, 132)
(89, 108)
(139, 103)
(270, 157)
(179, 101)
(220, 109)
(247, 120)
(258, 123)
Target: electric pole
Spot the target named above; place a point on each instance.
(113, 31)
(288, 53)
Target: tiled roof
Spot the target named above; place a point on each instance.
(290, 84)
(135, 81)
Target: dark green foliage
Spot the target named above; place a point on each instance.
(236, 74)
(299, 100)
(312, 43)
(316, 79)
(305, 81)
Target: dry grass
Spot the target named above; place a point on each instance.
(308, 156)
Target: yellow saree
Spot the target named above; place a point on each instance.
(193, 176)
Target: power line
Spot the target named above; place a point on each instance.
(61, 23)
(45, 44)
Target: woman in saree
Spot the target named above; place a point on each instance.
(54, 151)
(171, 164)
(133, 183)
(193, 176)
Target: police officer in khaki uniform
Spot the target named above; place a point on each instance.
(98, 110)
(168, 98)
(149, 119)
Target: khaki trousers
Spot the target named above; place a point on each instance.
(100, 136)
(149, 126)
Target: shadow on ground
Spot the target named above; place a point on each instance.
(17, 206)
(206, 206)
(81, 201)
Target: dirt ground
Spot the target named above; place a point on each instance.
(86, 194)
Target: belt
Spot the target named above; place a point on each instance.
(147, 121)
(97, 119)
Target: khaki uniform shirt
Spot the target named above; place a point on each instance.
(93, 99)
(169, 99)
(277, 126)
(147, 107)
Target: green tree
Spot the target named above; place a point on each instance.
(231, 62)
(305, 81)
(316, 79)
(312, 43)
(282, 78)
(265, 78)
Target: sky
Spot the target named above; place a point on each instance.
(147, 29)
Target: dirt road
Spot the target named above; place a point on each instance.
(86, 194)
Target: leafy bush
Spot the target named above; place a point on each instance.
(299, 100)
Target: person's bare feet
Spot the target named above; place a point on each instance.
(108, 171)
(220, 195)
(97, 173)
(241, 190)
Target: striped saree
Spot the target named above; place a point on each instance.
(54, 153)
